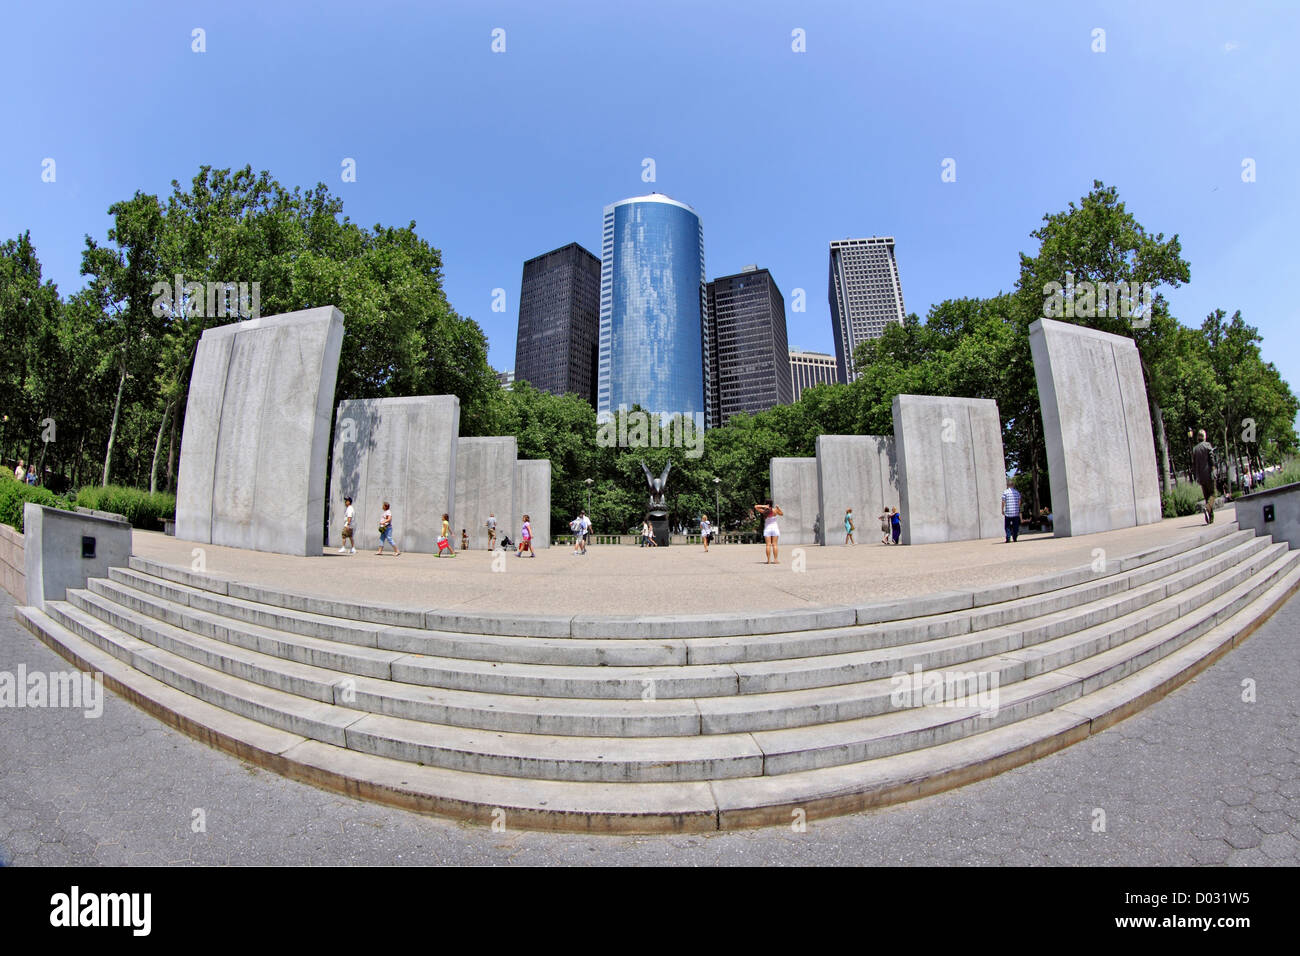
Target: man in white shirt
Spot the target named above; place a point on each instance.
(492, 530)
(1011, 512)
(349, 520)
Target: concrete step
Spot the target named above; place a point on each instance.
(274, 708)
(668, 626)
(171, 599)
(645, 759)
(632, 716)
(510, 801)
(669, 807)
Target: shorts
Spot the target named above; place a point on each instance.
(347, 533)
(772, 532)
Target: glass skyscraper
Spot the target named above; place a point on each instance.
(652, 309)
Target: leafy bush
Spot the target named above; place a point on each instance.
(14, 494)
(142, 509)
(1185, 499)
(1288, 475)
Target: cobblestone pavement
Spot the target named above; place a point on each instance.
(1201, 777)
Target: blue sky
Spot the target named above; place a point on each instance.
(501, 156)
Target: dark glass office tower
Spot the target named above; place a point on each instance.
(559, 322)
(747, 345)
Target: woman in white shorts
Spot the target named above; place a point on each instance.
(771, 532)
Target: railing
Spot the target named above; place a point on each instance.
(728, 537)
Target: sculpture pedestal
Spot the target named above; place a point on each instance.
(659, 524)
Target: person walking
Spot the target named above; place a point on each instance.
(706, 532)
(444, 537)
(884, 525)
(896, 524)
(1011, 512)
(648, 532)
(492, 530)
(464, 539)
(386, 531)
(1203, 468)
(576, 527)
(584, 532)
(349, 520)
(20, 473)
(848, 527)
(526, 539)
(31, 475)
(771, 531)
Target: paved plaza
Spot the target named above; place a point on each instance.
(624, 579)
(1199, 777)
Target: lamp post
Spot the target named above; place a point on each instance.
(587, 482)
(1190, 476)
(717, 506)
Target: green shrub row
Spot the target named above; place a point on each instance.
(14, 494)
(1185, 499)
(141, 508)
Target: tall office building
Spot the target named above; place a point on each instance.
(652, 308)
(748, 354)
(811, 368)
(559, 322)
(864, 294)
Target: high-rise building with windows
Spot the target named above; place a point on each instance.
(652, 309)
(811, 368)
(559, 322)
(748, 354)
(864, 294)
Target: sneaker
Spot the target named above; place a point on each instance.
(342, 550)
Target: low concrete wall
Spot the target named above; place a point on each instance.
(53, 552)
(1285, 502)
(13, 567)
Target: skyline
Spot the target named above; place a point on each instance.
(827, 143)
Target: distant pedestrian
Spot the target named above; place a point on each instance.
(576, 527)
(1203, 468)
(585, 531)
(20, 473)
(1011, 512)
(848, 527)
(386, 531)
(648, 533)
(706, 532)
(771, 531)
(526, 539)
(884, 526)
(31, 475)
(349, 521)
(464, 540)
(492, 530)
(444, 538)
(896, 525)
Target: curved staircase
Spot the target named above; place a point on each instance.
(666, 724)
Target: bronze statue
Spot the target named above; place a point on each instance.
(658, 503)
